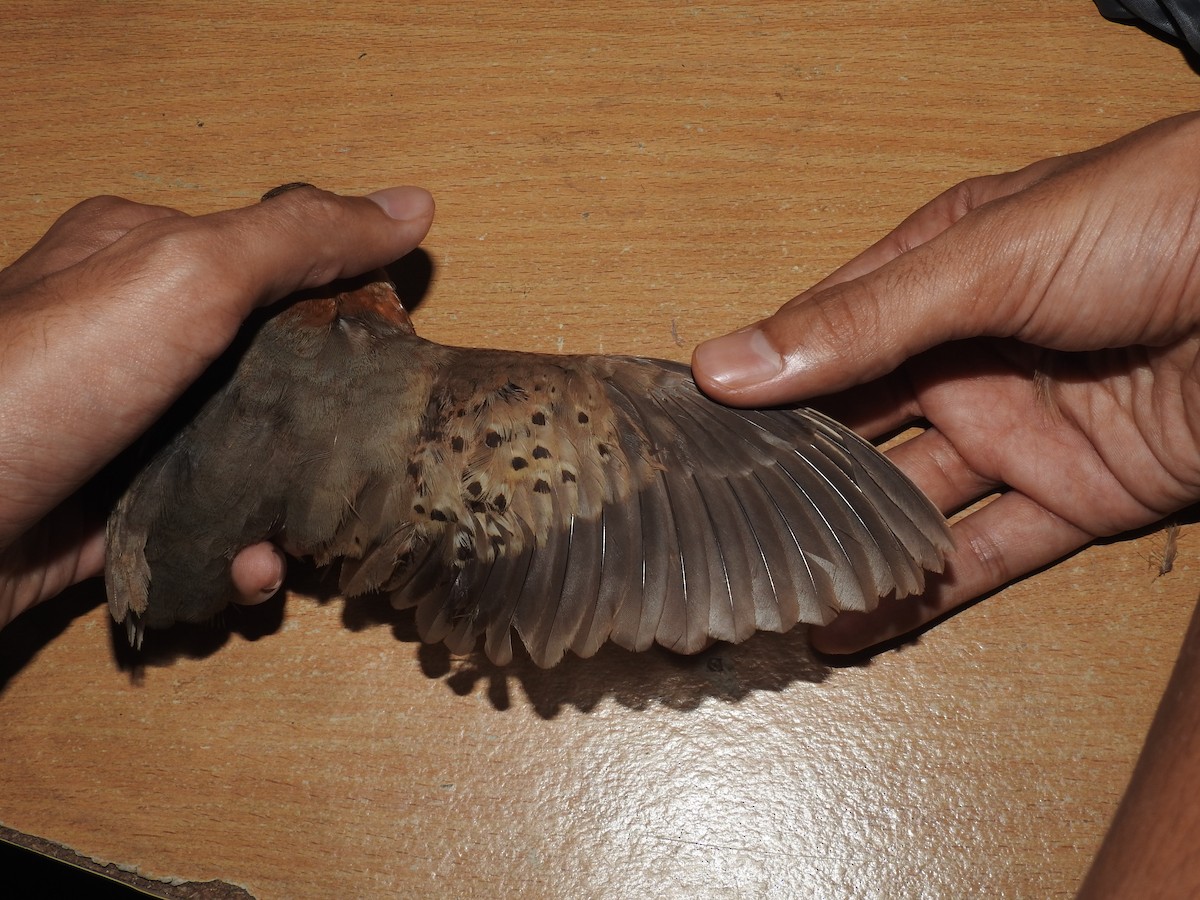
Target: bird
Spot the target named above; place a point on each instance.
(566, 500)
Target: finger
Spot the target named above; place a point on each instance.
(87, 227)
(851, 333)
(257, 573)
(307, 237)
(1010, 537)
(934, 465)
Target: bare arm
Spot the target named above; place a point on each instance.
(1153, 846)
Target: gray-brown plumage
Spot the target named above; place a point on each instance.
(571, 499)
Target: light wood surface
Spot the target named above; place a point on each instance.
(619, 177)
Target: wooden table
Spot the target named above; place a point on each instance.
(624, 177)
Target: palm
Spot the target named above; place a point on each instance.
(1094, 439)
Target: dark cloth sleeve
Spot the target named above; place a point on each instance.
(1178, 19)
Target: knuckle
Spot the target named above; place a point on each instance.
(947, 209)
(179, 251)
(969, 195)
(847, 324)
(849, 318)
(112, 216)
(965, 197)
(987, 554)
(304, 204)
(307, 215)
(99, 220)
(944, 466)
(104, 206)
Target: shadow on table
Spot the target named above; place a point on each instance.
(23, 639)
(766, 662)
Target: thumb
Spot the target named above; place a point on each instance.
(854, 331)
(932, 279)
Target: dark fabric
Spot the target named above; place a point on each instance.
(1179, 19)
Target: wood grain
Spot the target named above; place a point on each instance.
(619, 177)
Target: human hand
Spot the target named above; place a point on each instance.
(1046, 324)
(112, 314)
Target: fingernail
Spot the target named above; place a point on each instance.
(742, 359)
(404, 203)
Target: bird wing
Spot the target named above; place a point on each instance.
(573, 500)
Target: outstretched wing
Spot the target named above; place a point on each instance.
(579, 499)
(570, 500)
